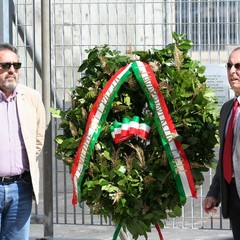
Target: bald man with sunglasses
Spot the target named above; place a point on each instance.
(225, 187)
(22, 130)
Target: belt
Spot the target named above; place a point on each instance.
(13, 178)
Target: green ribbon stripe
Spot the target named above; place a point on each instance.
(117, 231)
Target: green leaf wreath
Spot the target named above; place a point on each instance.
(131, 182)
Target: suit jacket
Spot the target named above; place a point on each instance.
(218, 188)
(33, 122)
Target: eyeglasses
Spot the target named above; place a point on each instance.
(236, 65)
(7, 65)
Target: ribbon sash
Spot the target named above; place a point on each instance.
(175, 153)
(98, 115)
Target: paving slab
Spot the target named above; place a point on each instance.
(89, 232)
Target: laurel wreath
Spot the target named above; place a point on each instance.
(131, 182)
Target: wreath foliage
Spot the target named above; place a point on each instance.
(131, 182)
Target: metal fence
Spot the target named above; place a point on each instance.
(77, 25)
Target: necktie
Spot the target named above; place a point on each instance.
(227, 152)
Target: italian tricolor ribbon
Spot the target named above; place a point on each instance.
(175, 153)
(128, 128)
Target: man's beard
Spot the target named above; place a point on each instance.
(9, 86)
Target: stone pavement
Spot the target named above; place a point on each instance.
(89, 232)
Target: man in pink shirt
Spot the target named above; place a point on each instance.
(22, 130)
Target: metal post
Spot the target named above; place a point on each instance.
(6, 15)
(47, 152)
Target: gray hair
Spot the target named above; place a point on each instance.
(8, 46)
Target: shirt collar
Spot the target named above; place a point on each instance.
(4, 98)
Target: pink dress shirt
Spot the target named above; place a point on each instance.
(13, 155)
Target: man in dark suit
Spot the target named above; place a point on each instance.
(226, 189)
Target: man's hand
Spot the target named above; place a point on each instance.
(209, 205)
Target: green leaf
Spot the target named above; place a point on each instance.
(107, 154)
(177, 211)
(103, 182)
(83, 66)
(109, 188)
(56, 113)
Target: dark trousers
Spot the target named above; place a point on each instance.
(234, 210)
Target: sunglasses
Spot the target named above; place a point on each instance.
(7, 65)
(236, 65)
